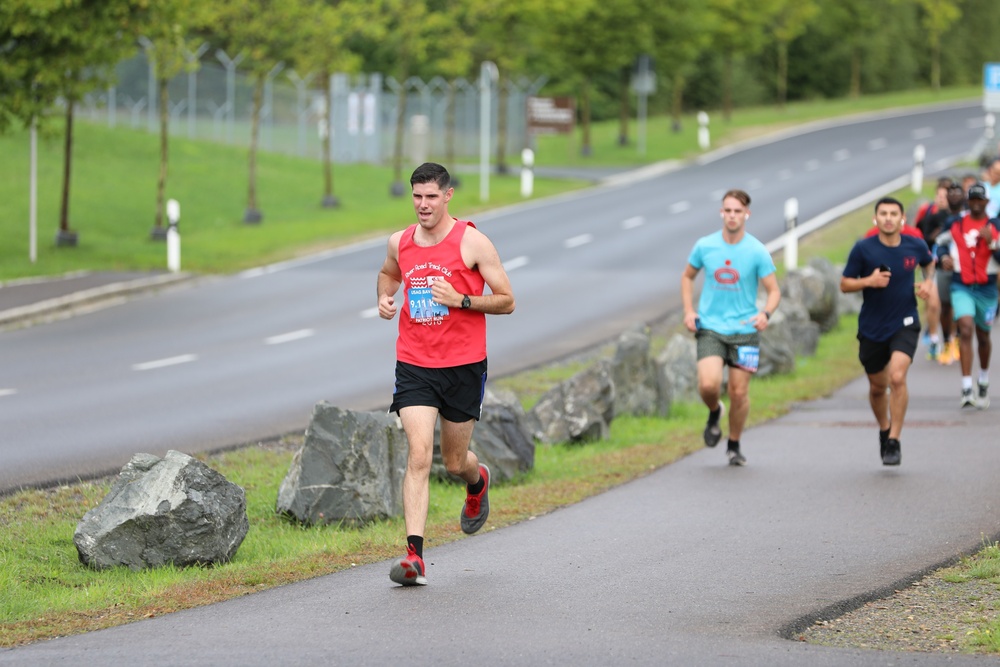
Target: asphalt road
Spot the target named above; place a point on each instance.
(235, 359)
(697, 563)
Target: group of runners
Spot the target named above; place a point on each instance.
(444, 266)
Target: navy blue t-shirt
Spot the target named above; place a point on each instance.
(887, 310)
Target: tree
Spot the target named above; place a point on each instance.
(739, 29)
(681, 31)
(323, 48)
(167, 41)
(938, 16)
(791, 19)
(592, 37)
(267, 32)
(61, 50)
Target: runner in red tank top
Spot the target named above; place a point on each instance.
(443, 265)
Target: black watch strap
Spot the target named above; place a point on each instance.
(466, 302)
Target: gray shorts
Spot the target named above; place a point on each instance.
(738, 350)
(944, 286)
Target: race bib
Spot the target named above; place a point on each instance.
(748, 357)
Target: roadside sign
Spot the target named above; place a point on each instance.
(991, 87)
(551, 115)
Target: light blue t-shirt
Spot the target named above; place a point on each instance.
(732, 274)
(993, 205)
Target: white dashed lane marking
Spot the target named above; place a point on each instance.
(877, 144)
(7, 392)
(163, 363)
(293, 335)
(812, 165)
(841, 155)
(923, 132)
(515, 263)
(577, 241)
(632, 223)
(680, 207)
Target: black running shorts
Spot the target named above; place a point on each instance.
(457, 391)
(874, 355)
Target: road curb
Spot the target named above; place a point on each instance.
(88, 297)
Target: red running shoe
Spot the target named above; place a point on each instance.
(409, 570)
(477, 507)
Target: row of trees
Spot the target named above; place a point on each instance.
(710, 52)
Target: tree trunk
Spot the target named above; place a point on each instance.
(855, 91)
(936, 64)
(161, 185)
(585, 149)
(782, 74)
(329, 199)
(398, 189)
(502, 99)
(67, 169)
(677, 102)
(727, 87)
(623, 110)
(252, 214)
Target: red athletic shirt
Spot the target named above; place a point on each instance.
(432, 335)
(972, 252)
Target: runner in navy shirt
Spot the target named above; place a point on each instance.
(883, 268)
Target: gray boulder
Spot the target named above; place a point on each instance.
(816, 289)
(349, 469)
(677, 372)
(501, 439)
(172, 510)
(634, 375)
(579, 409)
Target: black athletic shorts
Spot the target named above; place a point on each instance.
(457, 391)
(874, 355)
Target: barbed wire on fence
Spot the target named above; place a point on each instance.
(214, 102)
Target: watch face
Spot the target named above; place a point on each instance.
(466, 302)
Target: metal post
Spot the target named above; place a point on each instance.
(173, 236)
(791, 238)
(527, 172)
(917, 177)
(488, 73)
(33, 196)
(703, 139)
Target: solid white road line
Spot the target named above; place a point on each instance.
(577, 241)
(292, 335)
(163, 363)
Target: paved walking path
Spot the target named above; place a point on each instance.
(695, 564)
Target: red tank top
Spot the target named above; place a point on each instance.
(432, 335)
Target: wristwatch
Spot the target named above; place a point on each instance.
(466, 302)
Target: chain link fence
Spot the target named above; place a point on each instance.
(214, 102)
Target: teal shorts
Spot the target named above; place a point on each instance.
(976, 301)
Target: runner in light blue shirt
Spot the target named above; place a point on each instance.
(727, 323)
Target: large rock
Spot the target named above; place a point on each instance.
(677, 372)
(816, 287)
(501, 439)
(579, 409)
(171, 510)
(634, 375)
(349, 469)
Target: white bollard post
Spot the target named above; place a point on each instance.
(703, 139)
(791, 239)
(527, 172)
(173, 236)
(917, 178)
(990, 123)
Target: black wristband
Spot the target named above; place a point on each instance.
(767, 314)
